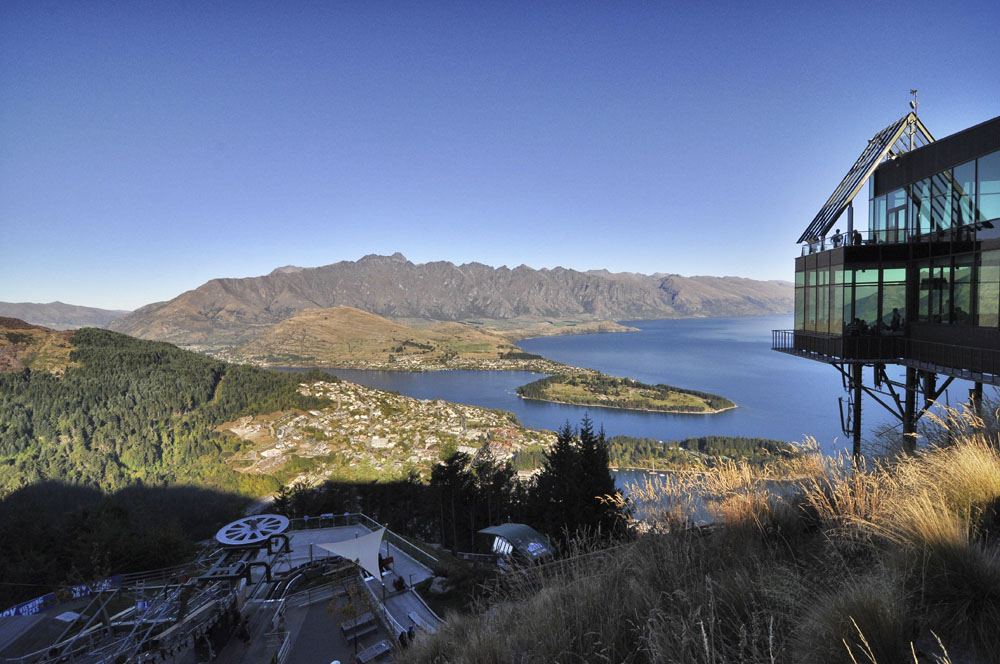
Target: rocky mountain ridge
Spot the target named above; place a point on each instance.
(239, 310)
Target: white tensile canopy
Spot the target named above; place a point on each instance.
(362, 550)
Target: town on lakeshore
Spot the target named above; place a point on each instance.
(367, 434)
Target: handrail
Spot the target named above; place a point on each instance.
(383, 612)
(981, 364)
(963, 233)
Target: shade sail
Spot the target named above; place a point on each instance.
(361, 550)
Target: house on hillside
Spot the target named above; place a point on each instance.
(918, 286)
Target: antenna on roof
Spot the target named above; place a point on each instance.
(913, 105)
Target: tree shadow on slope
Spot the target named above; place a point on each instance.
(58, 534)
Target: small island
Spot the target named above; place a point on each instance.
(597, 389)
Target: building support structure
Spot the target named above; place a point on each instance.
(900, 399)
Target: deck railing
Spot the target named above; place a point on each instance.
(838, 347)
(965, 233)
(978, 364)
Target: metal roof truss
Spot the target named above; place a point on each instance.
(891, 142)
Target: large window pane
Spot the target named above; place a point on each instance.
(941, 201)
(989, 186)
(964, 194)
(893, 300)
(988, 290)
(924, 293)
(893, 308)
(837, 309)
(800, 308)
(869, 276)
(877, 220)
(989, 304)
(894, 274)
(961, 305)
(811, 309)
(920, 192)
(848, 303)
(896, 216)
(823, 309)
(866, 306)
(935, 294)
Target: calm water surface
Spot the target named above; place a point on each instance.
(779, 396)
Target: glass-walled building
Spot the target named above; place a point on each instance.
(961, 200)
(919, 284)
(930, 256)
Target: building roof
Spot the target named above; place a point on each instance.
(892, 141)
(524, 538)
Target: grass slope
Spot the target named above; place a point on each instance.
(896, 564)
(342, 336)
(23, 345)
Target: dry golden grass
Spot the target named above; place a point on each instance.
(869, 566)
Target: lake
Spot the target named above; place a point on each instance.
(779, 396)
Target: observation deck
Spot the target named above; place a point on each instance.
(920, 287)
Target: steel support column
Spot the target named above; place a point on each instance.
(976, 400)
(856, 377)
(910, 411)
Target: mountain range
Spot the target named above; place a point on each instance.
(58, 315)
(232, 311)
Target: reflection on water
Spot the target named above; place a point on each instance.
(663, 499)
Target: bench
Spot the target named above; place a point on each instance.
(372, 652)
(349, 626)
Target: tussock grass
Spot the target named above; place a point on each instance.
(863, 618)
(891, 563)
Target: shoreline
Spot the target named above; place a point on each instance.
(635, 410)
(305, 367)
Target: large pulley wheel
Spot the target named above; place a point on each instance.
(252, 530)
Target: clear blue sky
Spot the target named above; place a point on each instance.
(146, 147)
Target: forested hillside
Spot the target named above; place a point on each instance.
(630, 452)
(116, 464)
(132, 411)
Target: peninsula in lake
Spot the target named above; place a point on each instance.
(518, 303)
(596, 389)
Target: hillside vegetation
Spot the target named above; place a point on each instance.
(99, 465)
(127, 410)
(349, 337)
(700, 452)
(23, 345)
(898, 563)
